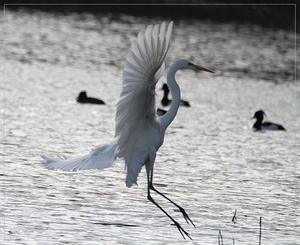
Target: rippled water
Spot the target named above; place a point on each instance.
(211, 162)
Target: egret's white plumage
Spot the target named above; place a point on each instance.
(139, 131)
(99, 158)
(137, 124)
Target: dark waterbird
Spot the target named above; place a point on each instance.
(165, 100)
(161, 112)
(260, 125)
(83, 98)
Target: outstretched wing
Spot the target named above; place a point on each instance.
(99, 158)
(143, 68)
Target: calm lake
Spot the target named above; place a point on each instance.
(211, 162)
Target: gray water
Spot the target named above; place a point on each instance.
(211, 162)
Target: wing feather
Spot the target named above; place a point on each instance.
(99, 158)
(137, 101)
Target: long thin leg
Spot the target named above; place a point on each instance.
(181, 230)
(150, 187)
(185, 215)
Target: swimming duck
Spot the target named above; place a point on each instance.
(82, 98)
(165, 101)
(259, 125)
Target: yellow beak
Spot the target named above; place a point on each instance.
(201, 68)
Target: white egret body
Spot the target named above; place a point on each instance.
(139, 131)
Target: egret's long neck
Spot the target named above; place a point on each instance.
(175, 92)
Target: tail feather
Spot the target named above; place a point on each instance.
(99, 158)
(133, 171)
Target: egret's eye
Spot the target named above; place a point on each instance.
(190, 64)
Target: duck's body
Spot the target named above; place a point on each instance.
(82, 98)
(259, 125)
(161, 112)
(165, 100)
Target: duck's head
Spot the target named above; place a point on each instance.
(259, 115)
(82, 95)
(165, 87)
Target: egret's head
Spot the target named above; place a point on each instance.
(187, 64)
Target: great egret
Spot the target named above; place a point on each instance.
(139, 132)
(82, 98)
(259, 125)
(165, 100)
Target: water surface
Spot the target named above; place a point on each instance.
(211, 162)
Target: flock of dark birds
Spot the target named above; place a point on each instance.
(259, 125)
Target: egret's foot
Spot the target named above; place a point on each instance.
(185, 215)
(181, 230)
